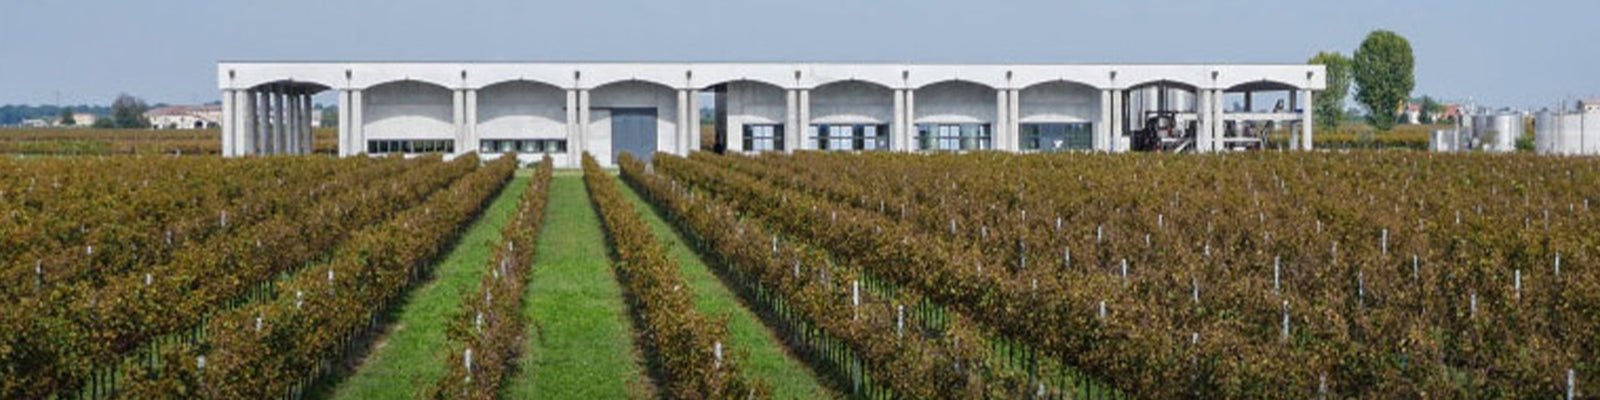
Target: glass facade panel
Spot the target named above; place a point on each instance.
(954, 137)
(850, 137)
(763, 137)
(1058, 136)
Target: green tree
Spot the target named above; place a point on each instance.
(1384, 72)
(66, 117)
(127, 112)
(1330, 105)
(1427, 108)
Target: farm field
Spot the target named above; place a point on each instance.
(80, 142)
(807, 275)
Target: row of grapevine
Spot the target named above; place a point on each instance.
(75, 218)
(143, 226)
(56, 344)
(487, 335)
(685, 344)
(881, 341)
(279, 346)
(1366, 274)
(103, 142)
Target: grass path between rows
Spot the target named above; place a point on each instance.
(580, 343)
(766, 357)
(407, 358)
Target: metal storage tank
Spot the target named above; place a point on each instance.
(1497, 133)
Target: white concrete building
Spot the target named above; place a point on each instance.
(184, 117)
(606, 108)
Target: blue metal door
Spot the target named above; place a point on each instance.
(633, 130)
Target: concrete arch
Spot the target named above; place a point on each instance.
(408, 109)
(955, 81)
(1058, 101)
(1263, 85)
(293, 85)
(956, 101)
(521, 109)
(852, 102)
(630, 94)
(486, 84)
(748, 80)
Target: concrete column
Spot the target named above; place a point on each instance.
(791, 126)
(1117, 116)
(694, 120)
(311, 115)
(897, 132)
(1219, 126)
(458, 101)
(805, 118)
(345, 143)
(1014, 121)
(358, 134)
(1102, 127)
(291, 135)
(1203, 138)
(244, 122)
(680, 144)
(227, 123)
(470, 142)
(573, 156)
(1307, 121)
(264, 128)
(258, 121)
(583, 122)
(280, 126)
(1001, 122)
(912, 143)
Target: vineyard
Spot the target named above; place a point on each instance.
(804, 275)
(80, 142)
(1265, 275)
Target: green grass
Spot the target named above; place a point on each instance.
(580, 344)
(766, 358)
(408, 358)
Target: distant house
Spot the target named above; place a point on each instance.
(80, 119)
(185, 117)
(35, 123)
(1447, 113)
(1589, 105)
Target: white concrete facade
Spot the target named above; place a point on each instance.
(566, 108)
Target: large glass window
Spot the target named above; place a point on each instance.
(410, 146)
(953, 137)
(850, 137)
(523, 146)
(1058, 136)
(763, 137)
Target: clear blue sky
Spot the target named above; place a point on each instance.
(1528, 53)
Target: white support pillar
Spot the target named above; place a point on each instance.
(680, 144)
(573, 156)
(470, 136)
(458, 105)
(1219, 126)
(897, 132)
(1014, 121)
(344, 124)
(805, 119)
(310, 133)
(244, 122)
(1117, 116)
(280, 122)
(583, 122)
(1203, 138)
(258, 122)
(358, 134)
(1102, 127)
(997, 138)
(791, 125)
(291, 135)
(694, 120)
(267, 115)
(912, 142)
(228, 128)
(1307, 121)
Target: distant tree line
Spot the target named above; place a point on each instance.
(13, 114)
